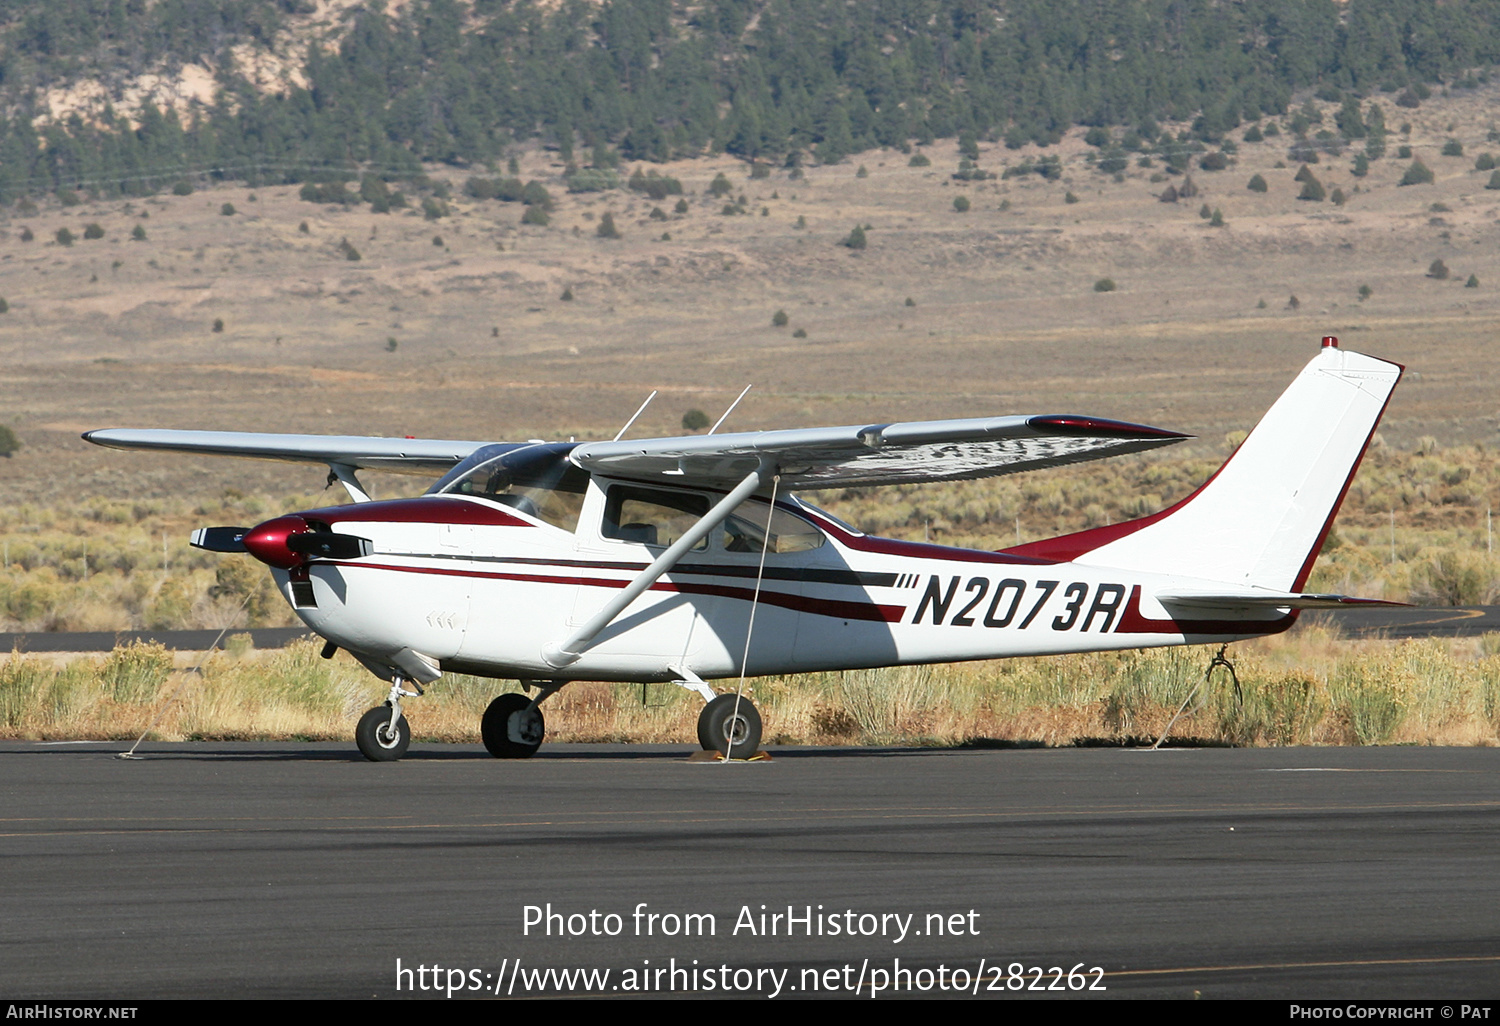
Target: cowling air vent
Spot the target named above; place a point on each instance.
(328, 545)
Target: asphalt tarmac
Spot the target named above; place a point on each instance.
(1412, 621)
(278, 870)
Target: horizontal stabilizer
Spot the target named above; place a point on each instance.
(1257, 600)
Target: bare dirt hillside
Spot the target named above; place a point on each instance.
(455, 327)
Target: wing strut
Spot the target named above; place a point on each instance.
(344, 475)
(568, 652)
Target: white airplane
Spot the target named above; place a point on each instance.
(690, 559)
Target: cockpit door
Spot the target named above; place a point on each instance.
(624, 528)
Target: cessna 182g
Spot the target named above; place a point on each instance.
(690, 559)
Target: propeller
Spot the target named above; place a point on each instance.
(283, 542)
(220, 539)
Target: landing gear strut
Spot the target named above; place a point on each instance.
(383, 733)
(730, 725)
(513, 727)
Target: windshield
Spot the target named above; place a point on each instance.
(535, 479)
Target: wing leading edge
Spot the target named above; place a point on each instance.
(875, 454)
(415, 455)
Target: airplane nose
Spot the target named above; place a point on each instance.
(267, 542)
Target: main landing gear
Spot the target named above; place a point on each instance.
(513, 727)
(730, 725)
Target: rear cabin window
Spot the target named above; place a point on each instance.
(745, 531)
(650, 517)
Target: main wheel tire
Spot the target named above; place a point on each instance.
(705, 736)
(511, 729)
(375, 739)
(733, 734)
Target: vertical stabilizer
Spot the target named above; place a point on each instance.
(1260, 520)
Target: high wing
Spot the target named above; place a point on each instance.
(829, 457)
(402, 455)
(875, 454)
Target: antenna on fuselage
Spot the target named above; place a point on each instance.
(633, 419)
(731, 408)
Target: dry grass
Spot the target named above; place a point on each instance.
(1304, 688)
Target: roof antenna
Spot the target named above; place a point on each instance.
(731, 409)
(633, 419)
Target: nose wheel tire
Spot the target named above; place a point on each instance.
(511, 728)
(733, 733)
(377, 742)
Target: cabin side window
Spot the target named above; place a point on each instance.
(745, 531)
(651, 517)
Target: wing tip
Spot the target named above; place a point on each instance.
(1097, 427)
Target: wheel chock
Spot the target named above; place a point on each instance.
(713, 756)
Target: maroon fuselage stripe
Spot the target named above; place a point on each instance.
(836, 608)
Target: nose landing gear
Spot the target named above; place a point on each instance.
(383, 734)
(378, 739)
